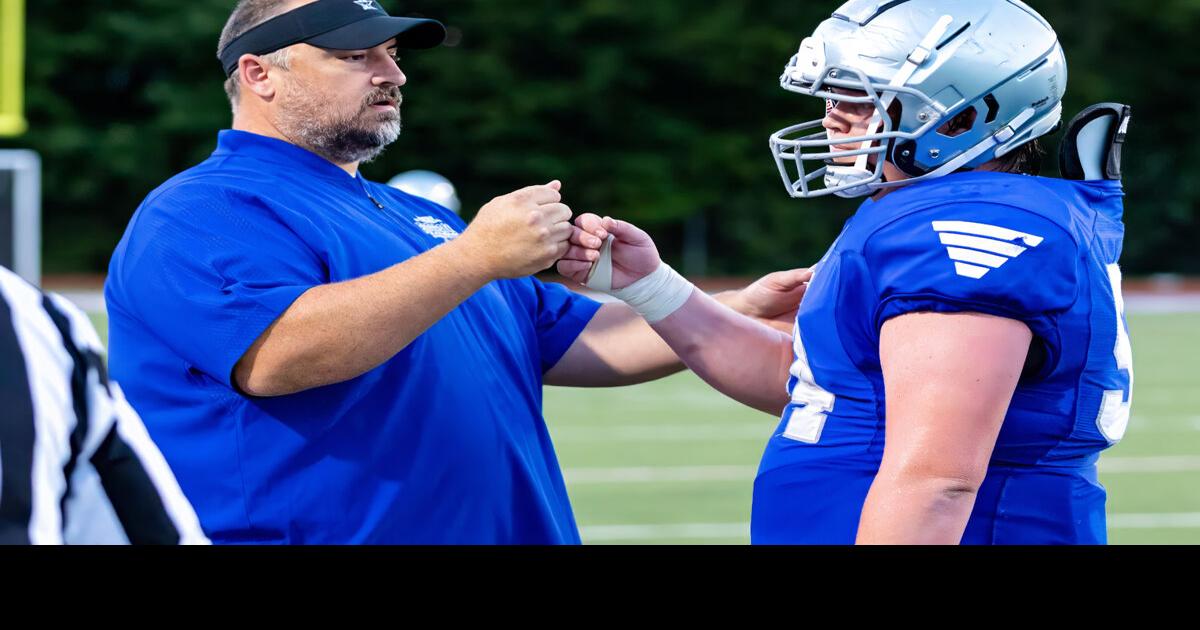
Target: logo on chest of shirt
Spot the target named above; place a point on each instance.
(977, 248)
(436, 228)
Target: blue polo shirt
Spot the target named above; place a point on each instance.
(444, 443)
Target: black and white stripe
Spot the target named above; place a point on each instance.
(76, 463)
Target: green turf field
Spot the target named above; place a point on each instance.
(672, 462)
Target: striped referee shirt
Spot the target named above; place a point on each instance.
(76, 464)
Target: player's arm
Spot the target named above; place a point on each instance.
(949, 380)
(619, 348)
(741, 357)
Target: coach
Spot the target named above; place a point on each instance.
(324, 359)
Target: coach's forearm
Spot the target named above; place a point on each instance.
(337, 332)
(739, 356)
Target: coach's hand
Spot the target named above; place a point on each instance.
(774, 298)
(520, 233)
(634, 255)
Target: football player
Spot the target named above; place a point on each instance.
(961, 358)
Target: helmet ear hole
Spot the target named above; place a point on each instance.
(960, 124)
(993, 108)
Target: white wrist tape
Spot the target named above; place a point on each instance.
(654, 297)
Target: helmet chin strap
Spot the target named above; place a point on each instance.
(836, 176)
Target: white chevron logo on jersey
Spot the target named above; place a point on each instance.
(977, 248)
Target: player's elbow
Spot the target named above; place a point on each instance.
(940, 481)
(953, 489)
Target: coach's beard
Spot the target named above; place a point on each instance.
(360, 138)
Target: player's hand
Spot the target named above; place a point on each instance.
(520, 233)
(634, 255)
(774, 298)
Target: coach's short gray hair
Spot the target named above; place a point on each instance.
(247, 15)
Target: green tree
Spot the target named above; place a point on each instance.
(655, 111)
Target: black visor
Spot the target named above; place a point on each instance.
(336, 24)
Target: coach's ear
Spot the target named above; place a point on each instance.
(254, 75)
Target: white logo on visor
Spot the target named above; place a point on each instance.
(366, 5)
(436, 228)
(977, 248)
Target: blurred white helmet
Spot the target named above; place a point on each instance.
(428, 185)
(937, 59)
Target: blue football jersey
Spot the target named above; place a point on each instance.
(1038, 250)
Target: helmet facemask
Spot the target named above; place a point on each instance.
(808, 149)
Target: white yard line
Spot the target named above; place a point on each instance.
(723, 531)
(664, 474)
(756, 433)
(663, 433)
(1180, 520)
(1156, 464)
(683, 531)
(688, 474)
(1152, 304)
(87, 301)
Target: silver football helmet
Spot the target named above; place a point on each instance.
(937, 59)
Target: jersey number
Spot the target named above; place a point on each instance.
(810, 404)
(1114, 410)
